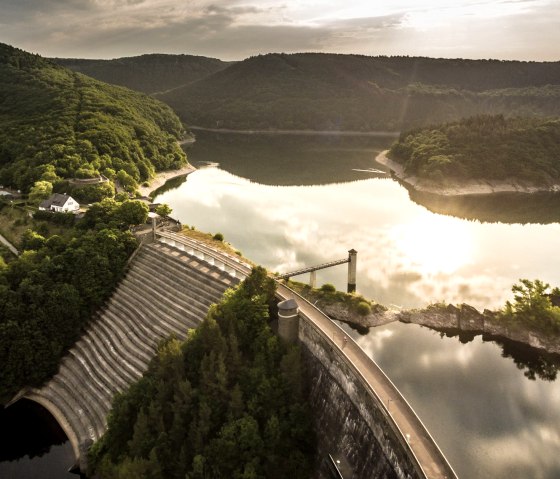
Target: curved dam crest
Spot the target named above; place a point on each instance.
(168, 289)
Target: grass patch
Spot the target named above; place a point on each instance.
(327, 295)
(212, 241)
(14, 221)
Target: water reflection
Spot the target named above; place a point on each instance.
(543, 208)
(488, 419)
(32, 444)
(535, 363)
(406, 255)
(290, 160)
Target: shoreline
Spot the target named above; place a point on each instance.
(298, 132)
(162, 177)
(461, 189)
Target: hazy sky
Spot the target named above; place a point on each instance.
(236, 29)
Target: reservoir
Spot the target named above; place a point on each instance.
(289, 202)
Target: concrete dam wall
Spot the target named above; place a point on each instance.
(165, 291)
(168, 289)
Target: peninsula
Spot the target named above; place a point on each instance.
(479, 156)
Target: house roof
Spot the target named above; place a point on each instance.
(56, 199)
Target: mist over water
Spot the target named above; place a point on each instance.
(289, 203)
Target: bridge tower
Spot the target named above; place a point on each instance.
(352, 260)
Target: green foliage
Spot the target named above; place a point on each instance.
(328, 288)
(228, 402)
(147, 73)
(49, 293)
(218, 237)
(483, 148)
(91, 193)
(163, 210)
(133, 212)
(111, 213)
(532, 306)
(363, 308)
(352, 92)
(32, 240)
(64, 219)
(56, 124)
(40, 191)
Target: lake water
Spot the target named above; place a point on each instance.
(32, 444)
(289, 202)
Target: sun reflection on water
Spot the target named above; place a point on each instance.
(432, 244)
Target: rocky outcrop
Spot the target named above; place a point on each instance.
(467, 319)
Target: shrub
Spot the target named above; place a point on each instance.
(363, 308)
(218, 237)
(328, 288)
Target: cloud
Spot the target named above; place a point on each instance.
(237, 29)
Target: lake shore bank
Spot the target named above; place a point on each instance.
(478, 187)
(394, 134)
(462, 318)
(162, 177)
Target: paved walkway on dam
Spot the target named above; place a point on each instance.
(422, 447)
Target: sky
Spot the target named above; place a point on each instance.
(237, 29)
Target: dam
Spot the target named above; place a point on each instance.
(171, 282)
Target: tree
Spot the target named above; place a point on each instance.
(163, 209)
(127, 182)
(40, 191)
(32, 240)
(133, 212)
(530, 297)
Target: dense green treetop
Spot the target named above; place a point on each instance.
(50, 292)
(351, 92)
(535, 306)
(57, 124)
(147, 73)
(229, 402)
(483, 148)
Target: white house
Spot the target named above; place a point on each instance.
(60, 204)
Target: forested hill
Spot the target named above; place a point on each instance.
(56, 124)
(483, 148)
(350, 92)
(147, 73)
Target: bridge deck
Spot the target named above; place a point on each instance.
(312, 268)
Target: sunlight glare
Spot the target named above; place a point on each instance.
(433, 244)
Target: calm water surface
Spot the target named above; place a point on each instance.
(290, 202)
(32, 444)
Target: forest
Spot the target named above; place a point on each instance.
(229, 402)
(52, 290)
(57, 125)
(148, 73)
(319, 91)
(483, 147)
(351, 92)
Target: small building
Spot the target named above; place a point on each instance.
(60, 204)
(6, 195)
